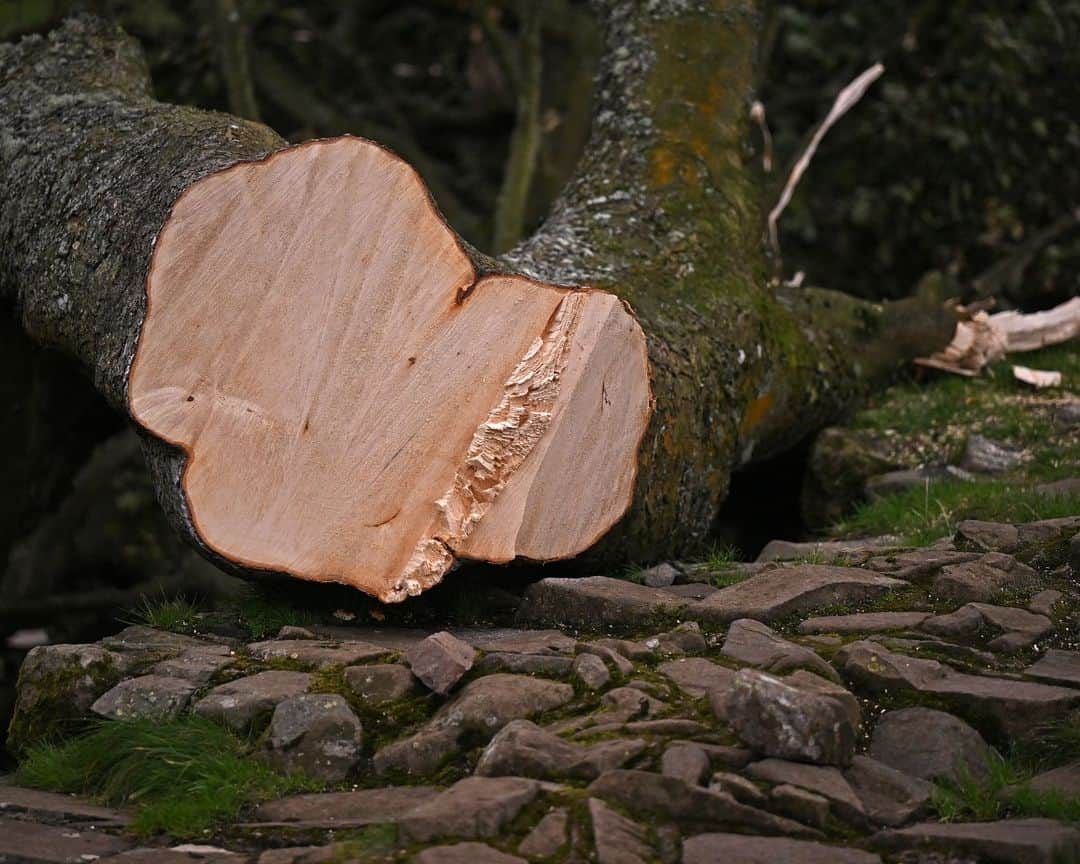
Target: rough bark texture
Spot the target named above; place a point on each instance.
(662, 211)
(665, 212)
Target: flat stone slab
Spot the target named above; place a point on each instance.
(465, 853)
(1011, 841)
(741, 849)
(981, 580)
(1064, 780)
(380, 683)
(148, 697)
(991, 536)
(786, 550)
(756, 644)
(548, 836)
(523, 749)
(50, 844)
(239, 703)
(1061, 667)
(345, 809)
(487, 704)
(138, 638)
(197, 665)
(863, 622)
(516, 641)
(888, 796)
(692, 808)
(825, 781)
(1019, 628)
(1009, 702)
(545, 665)
(472, 808)
(697, 676)
(596, 602)
(54, 805)
(618, 840)
(919, 563)
(792, 590)
(317, 653)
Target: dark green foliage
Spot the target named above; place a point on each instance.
(954, 160)
(181, 776)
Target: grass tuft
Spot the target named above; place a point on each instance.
(177, 614)
(973, 799)
(182, 777)
(721, 563)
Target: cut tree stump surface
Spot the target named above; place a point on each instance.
(357, 403)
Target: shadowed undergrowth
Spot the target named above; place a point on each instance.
(180, 776)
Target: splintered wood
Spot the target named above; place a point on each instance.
(356, 404)
(987, 338)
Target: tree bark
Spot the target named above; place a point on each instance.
(663, 211)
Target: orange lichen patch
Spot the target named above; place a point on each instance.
(755, 412)
(354, 402)
(663, 167)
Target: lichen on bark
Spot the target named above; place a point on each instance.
(665, 211)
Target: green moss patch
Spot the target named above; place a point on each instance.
(921, 516)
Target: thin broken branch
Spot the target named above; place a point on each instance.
(845, 100)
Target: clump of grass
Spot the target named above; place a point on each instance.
(181, 776)
(974, 799)
(1007, 790)
(177, 614)
(722, 557)
(721, 563)
(922, 516)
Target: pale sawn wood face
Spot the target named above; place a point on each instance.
(356, 406)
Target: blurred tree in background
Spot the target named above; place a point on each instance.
(961, 159)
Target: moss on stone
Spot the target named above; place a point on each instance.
(53, 702)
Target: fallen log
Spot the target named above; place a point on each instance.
(333, 386)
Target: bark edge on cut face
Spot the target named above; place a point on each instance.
(356, 403)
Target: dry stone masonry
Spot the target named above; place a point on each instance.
(805, 713)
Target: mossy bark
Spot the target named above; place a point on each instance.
(663, 211)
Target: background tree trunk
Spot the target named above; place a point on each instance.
(663, 211)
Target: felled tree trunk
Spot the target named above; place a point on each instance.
(333, 386)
